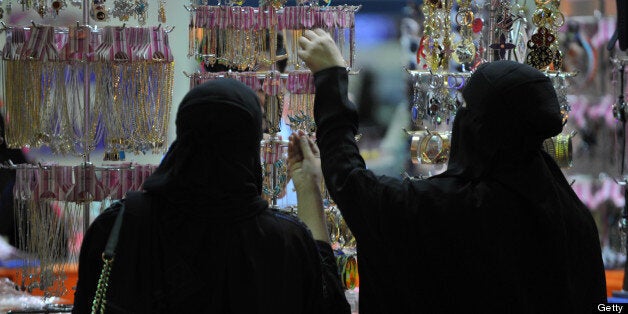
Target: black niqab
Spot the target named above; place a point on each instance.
(213, 166)
(510, 109)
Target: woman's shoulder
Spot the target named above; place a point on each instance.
(283, 221)
(104, 221)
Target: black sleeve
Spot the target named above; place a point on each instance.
(333, 292)
(373, 206)
(90, 260)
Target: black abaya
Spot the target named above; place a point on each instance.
(500, 231)
(202, 240)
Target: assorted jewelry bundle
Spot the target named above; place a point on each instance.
(273, 88)
(123, 10)
(342, 242)
(49, 207)
(245, 38)
(274, 155)
(544, 49)
(435, 94)
(436, 89)
(339, 234)
(435, 48)
(561, 85)
(502, 21)
(436, 97)
(43, 8)
(465, 48)
(132, 70)
(300, 111)
(274, 150)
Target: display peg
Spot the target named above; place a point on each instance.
(422, 73)
(560, 74)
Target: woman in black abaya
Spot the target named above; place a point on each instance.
(201, 239)
(501, 231)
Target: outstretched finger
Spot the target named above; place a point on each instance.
(315, 151)
(309, 34)
(320, 32)
(304, 42)
(294, 150)
(304, 144)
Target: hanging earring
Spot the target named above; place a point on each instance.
(57, 5)
(162, 12)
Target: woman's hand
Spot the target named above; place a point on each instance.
(319, 51)
(304, 165)
(304, 162)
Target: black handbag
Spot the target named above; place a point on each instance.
(134, 200)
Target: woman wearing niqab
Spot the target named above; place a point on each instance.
(200, 239)
(500, 231)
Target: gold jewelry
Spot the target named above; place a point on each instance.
(436, 53)
(333, 224)
(346, 240)
(430, 147)
(161, 14)
(560, 148)
(464, 49)
(564, 150)
(544, 50)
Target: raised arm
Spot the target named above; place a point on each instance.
(372, 206)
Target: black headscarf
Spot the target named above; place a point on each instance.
(212, 169)
(510, 109)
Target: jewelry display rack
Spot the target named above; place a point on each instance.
(116, 66)
(496, 31)
(216, 30)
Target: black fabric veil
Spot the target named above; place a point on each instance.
(510, 109)
(212, 169)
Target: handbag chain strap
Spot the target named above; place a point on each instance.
(100, 297)
(98, 306)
